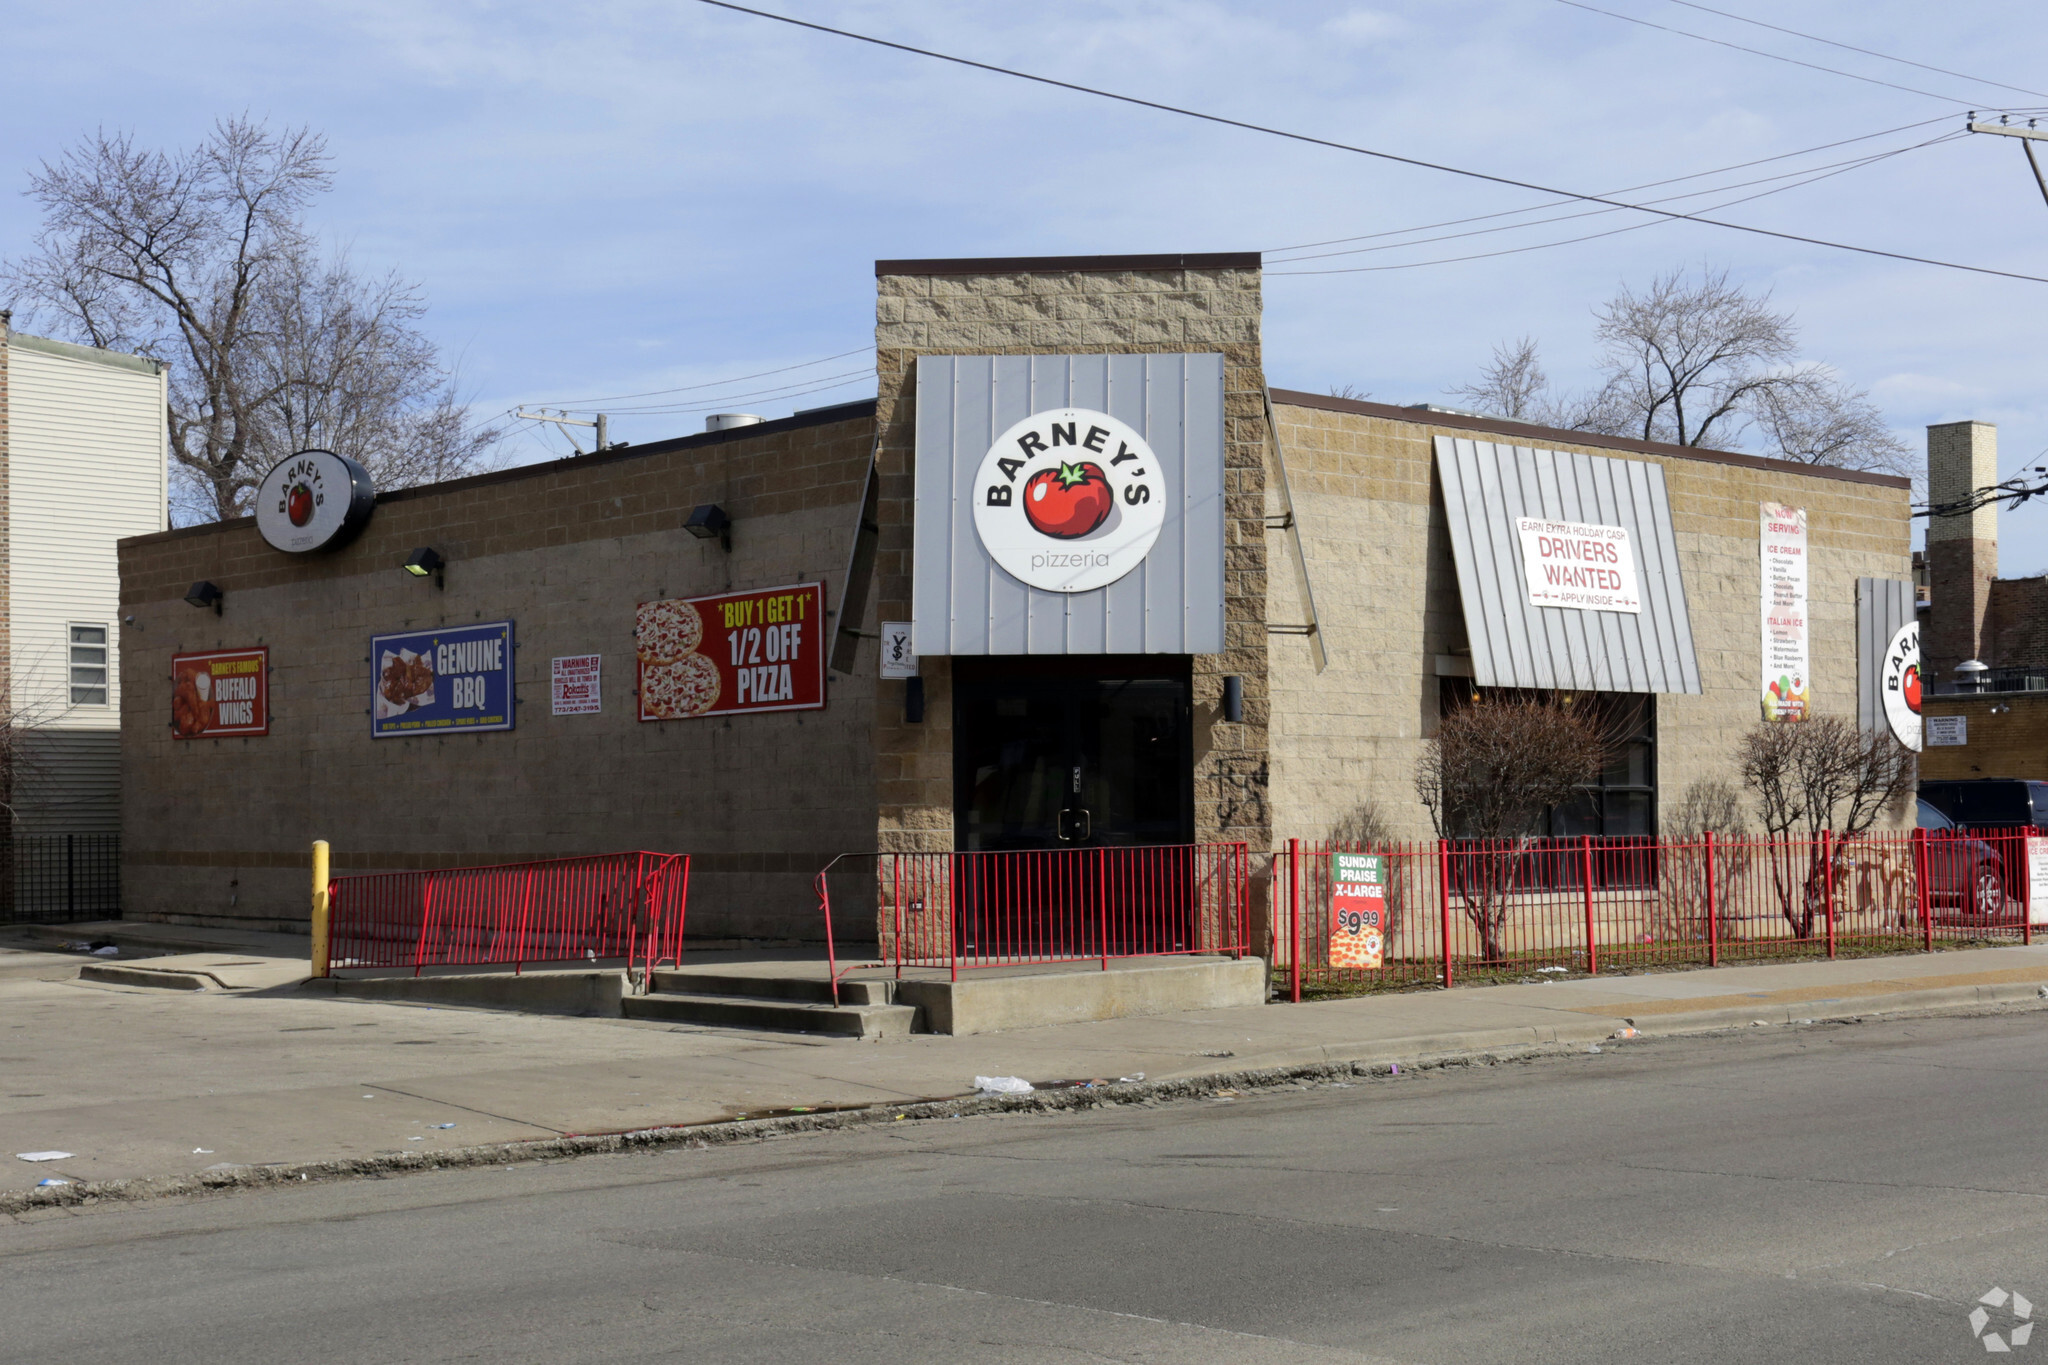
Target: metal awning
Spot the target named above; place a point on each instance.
(1487, 487)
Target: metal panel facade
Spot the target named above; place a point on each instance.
(1486, 487)
(962, 602)
(1882, 606)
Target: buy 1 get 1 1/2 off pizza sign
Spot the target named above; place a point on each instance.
(736, 652)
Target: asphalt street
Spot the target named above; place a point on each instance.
(1837, 1193)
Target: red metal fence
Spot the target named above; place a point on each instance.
(966, 910)
(611, 905)
(1585, 903)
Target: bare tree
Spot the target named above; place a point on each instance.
(1489, 775)
(1709, 806)
(1816, 776)
(1698, 361)
(201, 259)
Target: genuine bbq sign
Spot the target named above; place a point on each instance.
(1069, 500)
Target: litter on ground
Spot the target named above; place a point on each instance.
(44, 1156)
(1561, 970)
(1001, 1085)
(1625, 1033)
(51, 1180)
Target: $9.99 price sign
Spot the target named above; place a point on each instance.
(740, 651)
(1358, 909)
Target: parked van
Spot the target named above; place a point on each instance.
(1990, 802)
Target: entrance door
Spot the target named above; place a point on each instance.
(1060, 767)
(1071, 753)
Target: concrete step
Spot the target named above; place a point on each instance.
(737, 1011)
(810, 990)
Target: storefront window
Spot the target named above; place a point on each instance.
(1623, 802)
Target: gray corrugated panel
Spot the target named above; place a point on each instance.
(963, 603)
(1882, 606)
(1486, 487)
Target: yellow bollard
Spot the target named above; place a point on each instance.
(320, 907)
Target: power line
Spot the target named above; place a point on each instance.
(1367, 151)
(691, 388)
(1756, 51)
(813, 385)
(1850, 47)
(1544, 246)
(1626, 189)
(1802, 177)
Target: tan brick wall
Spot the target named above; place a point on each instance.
(216, 830)
(2009, 742)
(1386, 590)
(1061, 311)
(1962, 550)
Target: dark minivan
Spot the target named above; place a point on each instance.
(1990, 802)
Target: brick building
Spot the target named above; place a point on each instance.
(1995, 716)
(1290, 595)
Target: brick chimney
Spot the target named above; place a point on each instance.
(1962, 549)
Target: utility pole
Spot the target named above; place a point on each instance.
(564, 421)
(2029, 135)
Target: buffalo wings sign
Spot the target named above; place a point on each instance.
(1068, 505)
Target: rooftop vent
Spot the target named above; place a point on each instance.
(726, 421)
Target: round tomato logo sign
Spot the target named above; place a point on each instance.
(1899, 683)
(1069, 500)
(315, 500)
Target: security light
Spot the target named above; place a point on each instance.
(1233, 699)
(709, 520)
(204, 594)
(426, 562)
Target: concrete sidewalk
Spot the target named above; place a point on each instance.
(143, 1082)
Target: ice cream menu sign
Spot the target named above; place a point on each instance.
(740, 651)
(1787, 690)
(453, 680)
(219, 693)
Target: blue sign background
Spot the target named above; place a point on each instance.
(455, 680)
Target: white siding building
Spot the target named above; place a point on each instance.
(83, 452)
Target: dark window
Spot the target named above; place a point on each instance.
(1623, 803)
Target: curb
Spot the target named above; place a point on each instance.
(108, 974)
(1329, 1062)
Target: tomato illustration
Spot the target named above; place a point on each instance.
(1910, 686)
(1070, 501)
(298, 504)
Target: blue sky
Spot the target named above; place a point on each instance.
(612, 198)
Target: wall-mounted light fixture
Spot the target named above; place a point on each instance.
(708, 520)
(204, 594)
(913, 701)
(426, 562)
(1233, 699)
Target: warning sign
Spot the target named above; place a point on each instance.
(1358, 909)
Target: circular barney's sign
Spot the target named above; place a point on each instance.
(1899, 684)
(315, 500)
(1069, 500)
